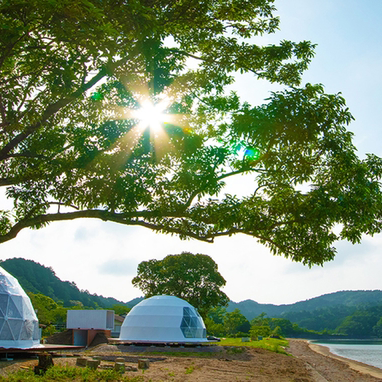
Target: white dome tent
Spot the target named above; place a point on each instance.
(163, 319)
(18, 321)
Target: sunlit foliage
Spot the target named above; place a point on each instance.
(72, 75)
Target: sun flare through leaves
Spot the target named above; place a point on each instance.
(151, 115)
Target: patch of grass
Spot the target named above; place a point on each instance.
(272, 344)
(235, 350)
(190, 369)
(67, 373)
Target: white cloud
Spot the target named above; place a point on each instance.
(118, 267)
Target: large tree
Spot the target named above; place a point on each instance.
(73, 71)
(194, 278)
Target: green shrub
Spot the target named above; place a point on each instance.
(48, 331)
(257, 330)
(272, 344)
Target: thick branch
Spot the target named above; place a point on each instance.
(122, 218)
(132, 219)
(7, 182)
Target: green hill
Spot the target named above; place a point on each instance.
(348, 300)
(36, 278)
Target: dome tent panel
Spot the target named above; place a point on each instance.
(18, 321)
(27, 330)
(18, 301)
(12, 311)
(3, 304)
(145, 320)
(9, 283)
(28, 311)
(15, 326)
(6, 333)
(163, 319)
(36, 332)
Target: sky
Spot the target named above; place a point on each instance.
(103, 257)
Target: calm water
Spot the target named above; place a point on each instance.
(369, 352)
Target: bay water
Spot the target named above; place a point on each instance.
(369, 352)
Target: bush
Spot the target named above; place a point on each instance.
(257, 330)
(48, 331)
(241, 334)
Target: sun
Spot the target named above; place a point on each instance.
(151, 115)
(152, 118)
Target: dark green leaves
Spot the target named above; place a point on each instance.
(71, 75)
(194, 278)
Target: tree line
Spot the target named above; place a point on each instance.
(362, 323)
(195, 278)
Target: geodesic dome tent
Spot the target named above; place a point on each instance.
(163, 319)
(18, 321)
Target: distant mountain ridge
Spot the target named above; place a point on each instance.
(251, 309)
(36, 278)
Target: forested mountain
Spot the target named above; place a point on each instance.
(344, 303)
(356, 314)
(36, 278)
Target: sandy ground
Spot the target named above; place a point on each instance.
(326, 366)
(307, 363)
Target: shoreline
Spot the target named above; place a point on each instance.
(355, 365)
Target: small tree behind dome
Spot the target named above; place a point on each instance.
(194, 278)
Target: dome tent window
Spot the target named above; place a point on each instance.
(18, 321)
(190, 324)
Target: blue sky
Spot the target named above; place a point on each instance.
(103, 257)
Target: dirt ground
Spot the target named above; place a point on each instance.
(228, 364)
(325, 366)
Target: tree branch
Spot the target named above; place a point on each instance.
(63, 204)
(198, 191)
(3, 113)
(211, 61)
(49, 112)
(7, 181)
(52, 109)
(11, 45)
(121, 218)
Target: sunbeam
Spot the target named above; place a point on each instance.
(151, 115)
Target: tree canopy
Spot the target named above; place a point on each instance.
(194, 278)
(73, 72)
